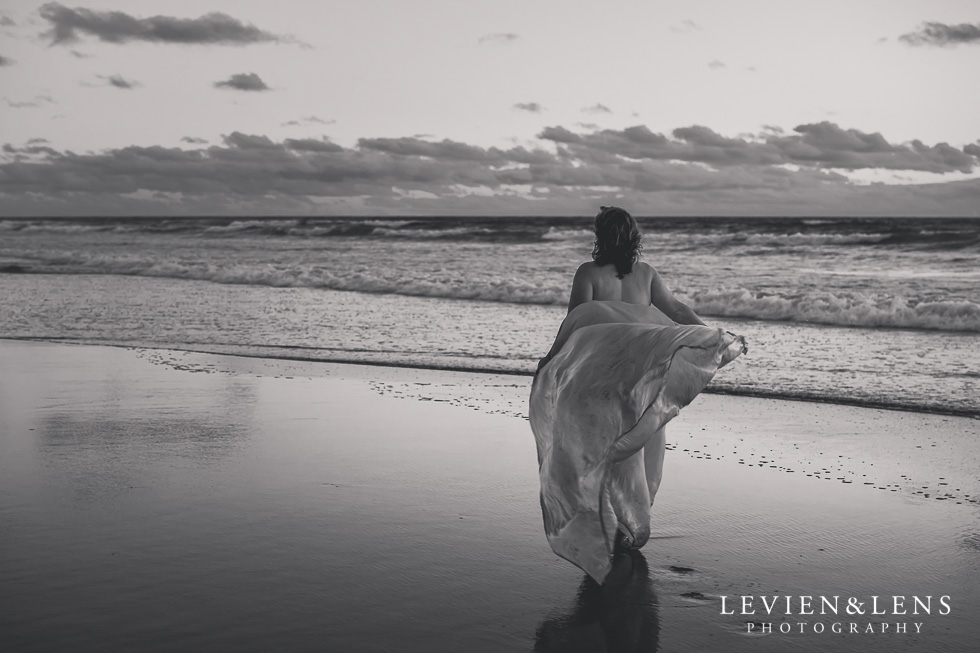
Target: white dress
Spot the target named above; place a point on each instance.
(615, 376)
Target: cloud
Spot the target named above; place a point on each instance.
(6, 61)
(38, 101)
(714, 64)
(942, 35)
(193, 140)
(120, 82)
(37, 141)
(685, 26)
(530, 107)
(693, 169)
(307, 119)
(7, 22)
(30, 151)
(822, 145)
(311, 145)
(597, 108)
(240, 141)
(445, 150)
(80, 55)
(827, 144)
(243, 82)
(66, 26)
(498, 38)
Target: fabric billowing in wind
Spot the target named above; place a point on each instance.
(615, 376)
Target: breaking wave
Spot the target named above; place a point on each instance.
(745, 235)
(840, 308)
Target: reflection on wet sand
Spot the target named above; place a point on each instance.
(619, 615)
(65, 434)
(95, 457)
(89, 426)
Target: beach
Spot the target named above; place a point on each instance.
(162, 500)
(459, 327)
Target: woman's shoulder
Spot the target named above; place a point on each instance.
(645, 269)
(587, 268)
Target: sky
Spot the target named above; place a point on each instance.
(537, 107)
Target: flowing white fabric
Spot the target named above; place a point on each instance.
(615, 376)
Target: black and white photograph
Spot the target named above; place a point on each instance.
(468, 326)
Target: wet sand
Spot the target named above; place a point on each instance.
(164, 501)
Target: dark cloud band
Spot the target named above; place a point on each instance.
(530, 107)
(940, 34)
(121, 82)
(67, 24)
(762, 172)
(243, 82)
(498, 38)
(819, 145)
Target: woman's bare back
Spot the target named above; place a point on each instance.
(643, 286)
(601, 283)
(633, 288)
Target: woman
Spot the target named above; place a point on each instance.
(627, 358)
(615, 272)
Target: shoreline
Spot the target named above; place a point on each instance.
(157, 497)
(711, 390)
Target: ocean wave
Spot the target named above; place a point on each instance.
(839, 308)
(242, 226)
(517, 289)
(64, 228)
(682, 234)
(421, 233)
(557, 233)
(783, 242)
(80, 226)
(475, 230)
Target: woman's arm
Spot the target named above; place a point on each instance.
(581, 287)
(662, 298)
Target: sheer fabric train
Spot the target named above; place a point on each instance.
(616, 374)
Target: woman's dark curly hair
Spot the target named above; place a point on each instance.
(617, 240)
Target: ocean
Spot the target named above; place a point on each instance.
(875, 312)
